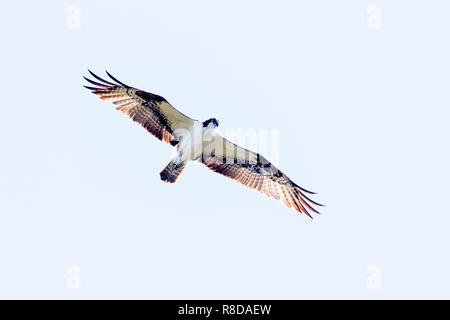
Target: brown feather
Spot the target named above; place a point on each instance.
(257, 173)
(153, 112)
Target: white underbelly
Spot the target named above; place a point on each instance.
(190, 147)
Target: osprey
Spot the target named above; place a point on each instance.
(199, 141)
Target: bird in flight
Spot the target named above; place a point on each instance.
(199, 141)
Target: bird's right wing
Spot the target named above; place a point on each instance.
(254, 171)
(153, 112)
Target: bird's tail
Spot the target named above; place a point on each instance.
(171, 172)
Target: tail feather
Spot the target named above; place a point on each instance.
(171, 172)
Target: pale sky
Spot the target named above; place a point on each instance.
(358, 92)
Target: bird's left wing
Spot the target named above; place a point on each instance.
(153, 112)
(254, 171)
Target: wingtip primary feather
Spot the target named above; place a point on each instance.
(91, 88)
(303, 189)
(96, 83)
(114, 79)
(100, 79)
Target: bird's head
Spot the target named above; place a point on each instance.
(211, 123)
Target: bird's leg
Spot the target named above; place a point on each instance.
(171, 172)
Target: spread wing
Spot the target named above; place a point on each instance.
(255, 171)
(153, 112)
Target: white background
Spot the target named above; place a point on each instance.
(358, 90)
